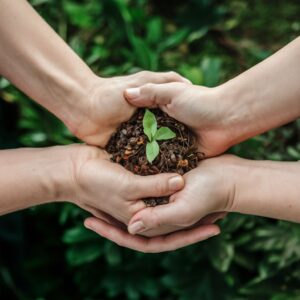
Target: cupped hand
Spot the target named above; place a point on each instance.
(208, 189)
(107, 189)
(205, 229)
(201, 108)
(104, 108)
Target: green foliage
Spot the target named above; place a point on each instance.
(154, 135)
(149, 124)
(46, 253)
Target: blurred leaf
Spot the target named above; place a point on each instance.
(154, 31)
(222, 256)
(211, 69)
(112, 254)
(77, 235)
(83, 253)
(173, 40)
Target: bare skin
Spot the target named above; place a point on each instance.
(79, 174)
(51, 73)
(35, 59)
(264, 97)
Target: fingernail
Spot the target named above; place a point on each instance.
(133, 92)
(175, 183)
(136, 227)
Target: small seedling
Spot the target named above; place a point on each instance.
(154, 135)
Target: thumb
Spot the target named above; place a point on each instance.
(156, 185)
(155, 217)
(152, 94)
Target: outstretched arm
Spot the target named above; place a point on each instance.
(264, 97)
(79, 174)
(225, 183)
(30, 177)
(231, 184)
(84, 176)
(41, 64)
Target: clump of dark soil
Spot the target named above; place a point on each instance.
(127, 147)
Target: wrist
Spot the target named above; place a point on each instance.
(240, 119)
(56, 172)
(231, 170)
(75, 94)
(67, 182)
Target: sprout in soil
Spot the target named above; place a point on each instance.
(154, 135)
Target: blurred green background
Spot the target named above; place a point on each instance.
(45, 253)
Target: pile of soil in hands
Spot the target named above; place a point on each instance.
(127, 147)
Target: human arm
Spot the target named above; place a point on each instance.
(82, 175)
(264, 97)
(79, 174)
(42, 65)
(231, 184)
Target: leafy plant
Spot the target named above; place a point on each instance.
(253, 258)
(154, 135)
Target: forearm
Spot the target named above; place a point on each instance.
(264, 97)
(267, 188)
(40, 63)
(30, 177)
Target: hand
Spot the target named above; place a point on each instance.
(105, 188)
(204, 230)
(208, 189)
(201, 108)
(104, 108)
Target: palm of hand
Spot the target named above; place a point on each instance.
(206, 192)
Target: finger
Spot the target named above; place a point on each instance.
(155, 217)
(152, 94)
(104, 216)
(156, 185)
(152, 245)
(212, 218)
(160, 77)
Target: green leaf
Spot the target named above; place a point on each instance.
(78, 235)
(152, 150)
(211, 68)
(149, 124)
(164, 133)
(154, 31)
(81, 254)
(145, 58)
(173, 40)
(112, 254)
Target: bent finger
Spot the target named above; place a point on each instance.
(165, 243)
(152, 94)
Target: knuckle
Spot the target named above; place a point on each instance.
(174, 75)
(146, 88)
(160, 188)
(144, 73)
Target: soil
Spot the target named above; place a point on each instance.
(127, 147)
